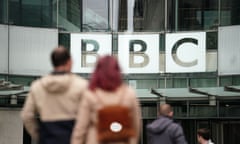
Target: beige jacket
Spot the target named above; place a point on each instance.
(55, 98)
(85, 128)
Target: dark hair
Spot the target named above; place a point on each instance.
(204, 132)
(60, 56)
(107, 74)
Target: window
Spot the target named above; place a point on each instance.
(192, 15)
(95, 15)
(3, 11)
(69, 15)
(230, 12)
(37, 13)
(148, 15)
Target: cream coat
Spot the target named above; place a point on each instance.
(55, 98)
(85, 128)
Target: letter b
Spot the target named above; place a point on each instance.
(139, 53)
(86, 52)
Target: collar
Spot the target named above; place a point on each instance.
(59, 72)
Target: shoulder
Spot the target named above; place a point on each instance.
(128, 91)
(175, 126)
(78, 81)
(78, 78)
(89, 97)
(175, 129)
(36, 84)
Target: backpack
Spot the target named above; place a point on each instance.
(115, 123)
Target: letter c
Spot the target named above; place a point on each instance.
(177, 45)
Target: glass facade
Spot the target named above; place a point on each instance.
(38, 13)
(3, 11)
(144, 16)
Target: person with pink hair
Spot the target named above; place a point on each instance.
(106, 87)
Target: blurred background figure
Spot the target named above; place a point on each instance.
(106, 88)
(164, 130)
(203, 136)
(51, 107)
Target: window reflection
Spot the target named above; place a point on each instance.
(95, 15)
(39, 13)
(112, 15)
(230, 12)
(3, 11)
(192, 15)
(69, 15)
(148, 15)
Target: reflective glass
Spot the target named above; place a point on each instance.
(95, 15)
(37, 13)
(229, 108)
(177, 83)
(192, 15)
(212, 40)
(3, 11)
(229, 12)
(64, 39)
(69, 15)
(147, 15)
(202, 109)
(203, 82)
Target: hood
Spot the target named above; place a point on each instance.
(56, 83)
(159, 125)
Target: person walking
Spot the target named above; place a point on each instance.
(52, 103)
(106, 90)
(203, 136)
(164, 130)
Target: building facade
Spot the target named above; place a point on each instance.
(148, 37)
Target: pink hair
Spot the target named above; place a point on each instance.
(107, 74)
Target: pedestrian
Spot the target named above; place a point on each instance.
(164, 130)
(203, 136)
(107, 90)
(51, 106)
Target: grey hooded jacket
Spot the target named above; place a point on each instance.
(164, 131)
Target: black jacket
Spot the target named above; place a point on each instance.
(164, 131)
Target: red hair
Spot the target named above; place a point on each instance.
(107, 74)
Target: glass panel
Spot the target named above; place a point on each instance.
(161, 83)
(64, 39)
(212, 40)
(149, 110)
(236, 80)
(148, 15)
(207, 82)
(14, 12)
(230, 108)
(177, 83)
(38, 13)
(3, 11)
(95, 15)
(230, 10)
(192, 15)
(24, 80)
(179, 108)
(122, 22)
(3, 77)
(69, 16)
(226, 81)
(144, 84)
(231, 132)
(202, 109)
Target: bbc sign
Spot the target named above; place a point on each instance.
(139, 53)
